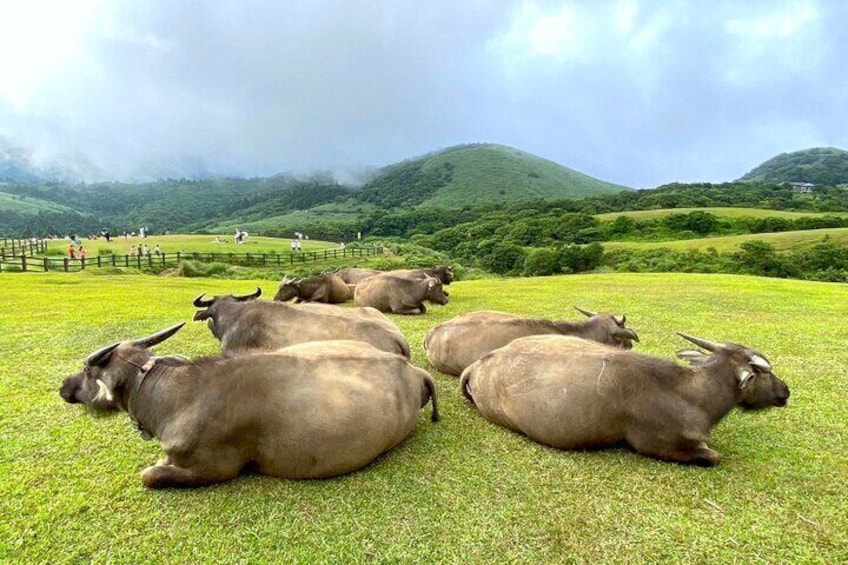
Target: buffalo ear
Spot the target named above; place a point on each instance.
(623, 334)
(693, 356)
(744, 376)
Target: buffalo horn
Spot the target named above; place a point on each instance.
(249, 296)
(760, 363)
(620, 320)
(625, 333)
(158, 337)
(585, 312)
(708, 345)
(99, 356)
(200, 303)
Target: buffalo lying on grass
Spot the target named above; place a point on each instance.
(328, 288)
(353, 275)
(571, 393)
(244, 324)
(454, 345)
(308, 411)
(399, 295)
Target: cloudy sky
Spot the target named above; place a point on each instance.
(635, 92)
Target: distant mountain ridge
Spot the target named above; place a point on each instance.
(818, 165)
(482, 173)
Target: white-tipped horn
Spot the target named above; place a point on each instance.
(760, 363)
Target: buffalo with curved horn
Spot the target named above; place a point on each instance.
(571, 393)
(455, 344)
(312, 410)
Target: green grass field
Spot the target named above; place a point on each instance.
(781, 241)
(720, 212)
(458, 491)
(190, 242)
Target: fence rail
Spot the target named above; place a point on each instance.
(26, 263)
(11, 248)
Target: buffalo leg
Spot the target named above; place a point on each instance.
(692, 451)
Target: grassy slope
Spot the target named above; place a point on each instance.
(782, 241)
(28, 205)
(720, 212)
(460, 491)
(199, 243)
(492, 173)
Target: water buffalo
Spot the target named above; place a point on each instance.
(442, 272)
(571, 393)
(455, 344)
(352, 275)
(308, 411)
(398, 294)
(328, 288)
(243, 324)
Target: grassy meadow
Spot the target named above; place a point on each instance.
(458, 491)
(188, 242)
(781, 241)
(721, 212)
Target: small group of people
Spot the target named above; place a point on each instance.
(295, 245)
(240, 236)
(75, 248)
(142, 250)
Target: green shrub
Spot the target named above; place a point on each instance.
(190, 268)
(541, 262)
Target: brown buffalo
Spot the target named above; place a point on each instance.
(308, 411)
(399, 294)
(243, 323)
(571, 393)
(352, 275)
(442, 272)
(455, 344)
(328, 288)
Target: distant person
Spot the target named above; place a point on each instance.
(82, 253)
(293, 245)
(133, 251)
(298, 244)
(143, 251)
(156, 250)
(72, 252)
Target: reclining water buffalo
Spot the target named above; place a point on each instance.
(571, 393)
(353, 275)
(328, 288)
(457, 343)
(243, 323)
(399, 294)
(442, 272)
(308, 411)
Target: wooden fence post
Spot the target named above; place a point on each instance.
(65, 261)
(46, 264)
(23, 262)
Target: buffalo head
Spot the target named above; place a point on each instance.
(106, 373)
(610, 329)
(758, 386)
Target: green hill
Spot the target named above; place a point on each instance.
(819, 165)
(475, 174)
(22, 204)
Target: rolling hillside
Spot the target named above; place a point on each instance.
(476, 174)
(819, 165)
(22, 204)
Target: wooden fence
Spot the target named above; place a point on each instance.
(25, 263)
(11, 248)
